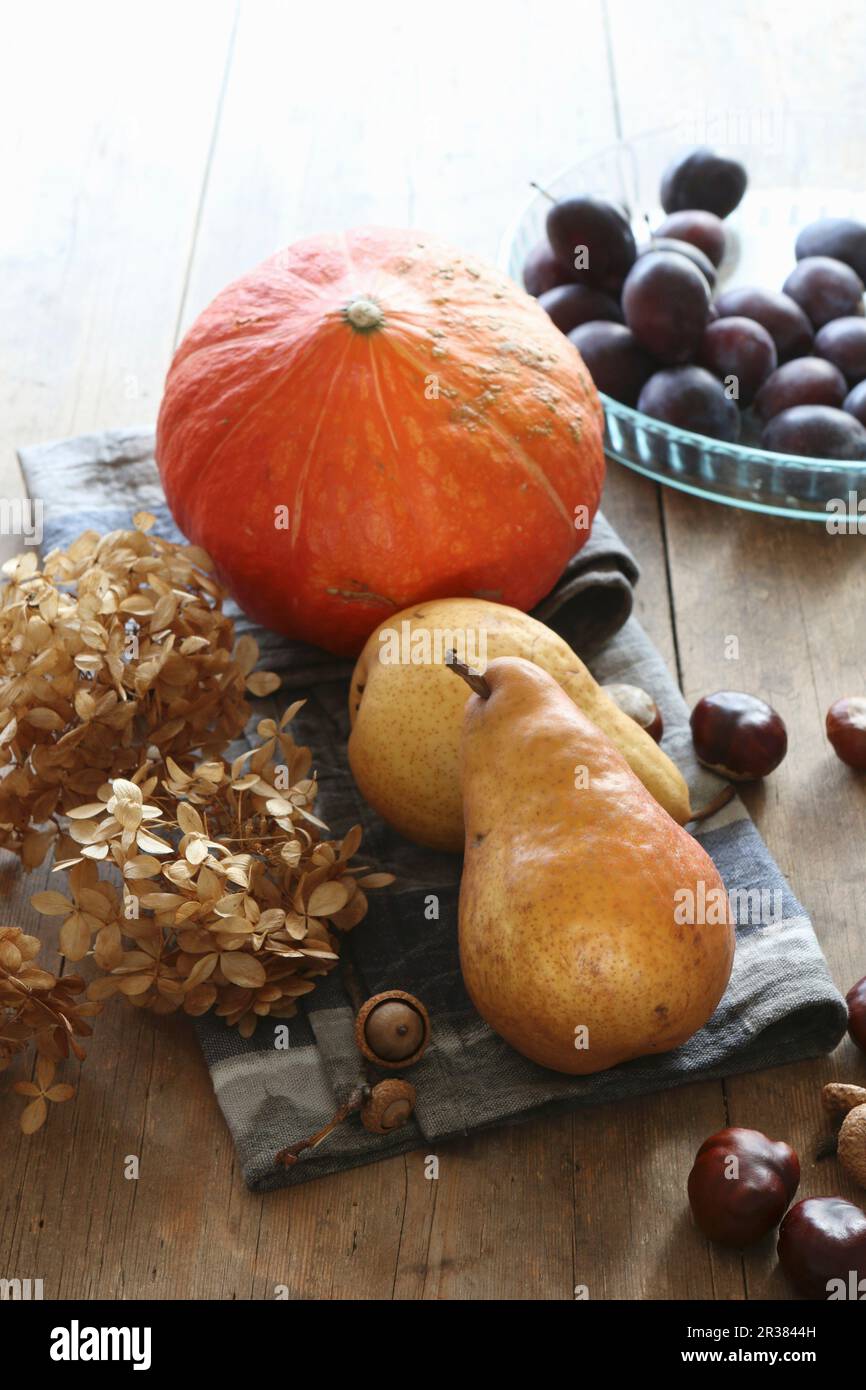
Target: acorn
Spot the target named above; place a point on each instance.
(388, 1106)
(839, 1098)
(852, 1144)
(848, 1101)
(392, 1029)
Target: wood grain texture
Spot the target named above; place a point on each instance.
(790, 594)
(144, 185)
(106, 157)
(107, 175)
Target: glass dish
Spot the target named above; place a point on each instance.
(801, 166)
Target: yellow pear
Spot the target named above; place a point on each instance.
(406, 711)
(593, 928)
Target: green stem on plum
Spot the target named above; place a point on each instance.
(542, 191)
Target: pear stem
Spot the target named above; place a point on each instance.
(725, 795)
(472, 678)
(481, 687)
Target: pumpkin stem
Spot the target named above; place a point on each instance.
(364, 314)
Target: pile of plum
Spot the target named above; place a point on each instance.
(652, 335)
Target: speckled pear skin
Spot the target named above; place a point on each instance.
(567, 907)
(404, 749)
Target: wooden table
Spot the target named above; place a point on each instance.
(152, 154)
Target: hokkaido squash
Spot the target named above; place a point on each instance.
(371, 419)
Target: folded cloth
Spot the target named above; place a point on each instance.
(780, 1005)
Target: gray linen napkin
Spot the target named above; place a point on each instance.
(780, 1006)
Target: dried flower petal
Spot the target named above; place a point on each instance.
(263, 683)
(328, 898)
(51, 904)
(33, 1117)
(242, 969)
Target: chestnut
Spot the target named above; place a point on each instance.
(738, 735)
(822, 1240)
(740, 1185)
(856, 1001)
(639, 706)
(846, 730)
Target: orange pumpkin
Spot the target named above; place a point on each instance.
(372, 419)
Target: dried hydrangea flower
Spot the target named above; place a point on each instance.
(40, 1092)
(38, 1009)
(193, 884)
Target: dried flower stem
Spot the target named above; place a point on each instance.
(291, 1154)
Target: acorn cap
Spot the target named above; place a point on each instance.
(388, 1106)
(392, 1029)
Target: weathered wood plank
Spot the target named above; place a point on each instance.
(792, 595)
(435, 132)
(104, 148)
(457, 1235)
(799, 649)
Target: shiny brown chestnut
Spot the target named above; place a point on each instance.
(738, 735)
(846, 730)
(638, 705)
(822, 1248)
(856, 1001)
(741, 1184)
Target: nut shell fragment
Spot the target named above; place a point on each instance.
(388, 1106)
